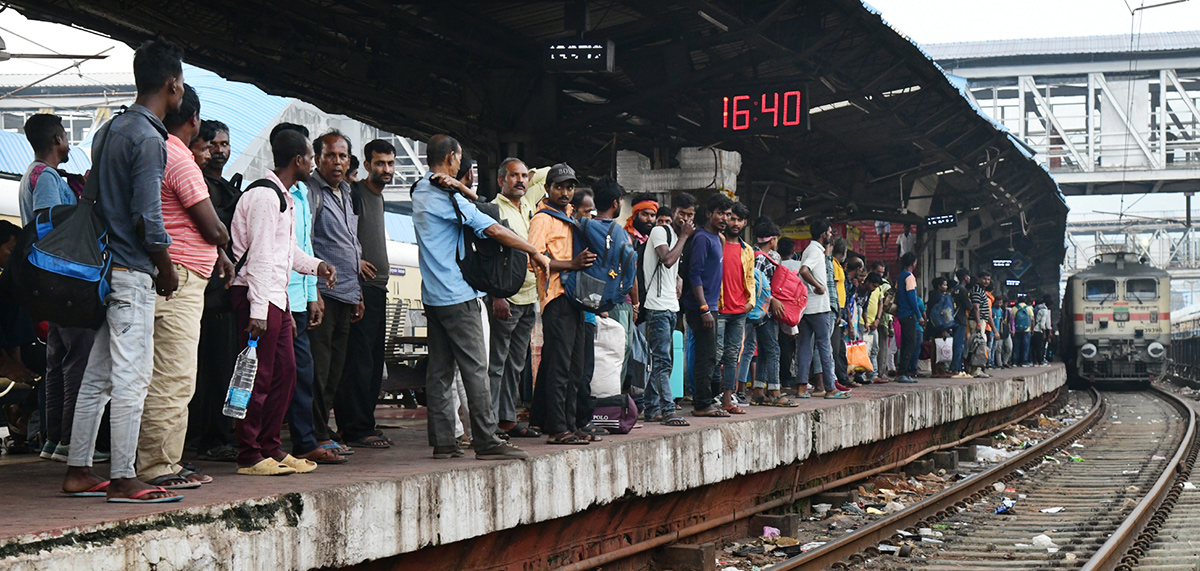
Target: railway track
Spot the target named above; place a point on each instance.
(1136, 449)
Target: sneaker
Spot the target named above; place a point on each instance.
(48, 450)
(905, 379)
(741, 399)
(63, 451)
(502, 451)
(961, 375)
(447, 452)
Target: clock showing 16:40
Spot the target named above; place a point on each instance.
(760, 111)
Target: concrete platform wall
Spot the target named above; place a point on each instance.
(345, 525)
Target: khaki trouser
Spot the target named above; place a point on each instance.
(176, 339)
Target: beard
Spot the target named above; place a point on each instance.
(642, 227)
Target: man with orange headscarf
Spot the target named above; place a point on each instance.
(641, 222)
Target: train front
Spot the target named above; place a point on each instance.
(1122, 322)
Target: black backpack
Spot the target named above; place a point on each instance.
(488, 265)
(61, 266)
(262, 182)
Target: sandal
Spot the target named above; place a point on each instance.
(136, 497)
(733, 409)
(373, 441)
(566, 438)
(338, 448)
(522, 431)
(173, 482)
(783, 402)
(589, 436)
(224, 453)
(194, 476)
(266, 467)
(713, 412)
(758, 400)
(675, 421)
(838, 395)
(98, 491)
(655, 418)
(324, 456)
(380, 434)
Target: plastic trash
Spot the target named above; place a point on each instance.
(998, 486)
(1189, 486)
(1157, 457)
(241, 384)
(1006, 505)
(876, 511)
(885, 548)
(769, 532)
(989, 454)
(1052, 510)
(893, 507)
(1076, 445)
(1075, 458)
(820, 509)
(811, 545)
(1043, 540)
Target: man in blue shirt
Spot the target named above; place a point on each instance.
(702, 298)
(452, 307)
(910, 314)
(129, 156)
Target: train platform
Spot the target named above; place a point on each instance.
(388, 503)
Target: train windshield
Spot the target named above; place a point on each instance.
(1100, 290)
(1142, 289)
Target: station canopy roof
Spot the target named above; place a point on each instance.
(883, 115)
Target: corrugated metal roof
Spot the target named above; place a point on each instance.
(122, 80)
(1121, 43)
(16, 154)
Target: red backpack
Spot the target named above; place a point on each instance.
(790, 290)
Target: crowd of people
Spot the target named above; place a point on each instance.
(295, 264)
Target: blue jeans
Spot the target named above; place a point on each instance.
(659, 327)
(960, 346)
(118, 373)
(731, 332)
(689, 358)
(1021, 348)
(814, 337)
(764, 336)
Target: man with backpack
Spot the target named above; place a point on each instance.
(561, 368)
(702, 299)
(1023, 323)
(452, 307)
(67, 348)
(660, 306)
(129, 161)
(512, 319)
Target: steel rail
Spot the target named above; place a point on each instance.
(940, 504)
(737, 515)
(1112, 553)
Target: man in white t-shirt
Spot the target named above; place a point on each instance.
(817, 325)
(907, 242)
(660, 266)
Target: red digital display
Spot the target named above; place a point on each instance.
(758, 111)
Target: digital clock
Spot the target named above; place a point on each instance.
(760, 111)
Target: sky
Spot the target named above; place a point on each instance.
(923, 21)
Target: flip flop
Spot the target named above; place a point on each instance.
(97, 491)
(715, 412)
(373, 441)
(783, 402)
(188, 473)
(676, 421)
(838, 395)
(338, 449)
(173, 482)
(135, 498)
(734, 409)
(522, 431)
(567, 439)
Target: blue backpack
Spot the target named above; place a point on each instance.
(942, 314)
(604, 284)
(1023, 320)
(762, 302)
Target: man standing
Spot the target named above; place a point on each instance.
(264, 242)
(1023, 321)
(837, 304)
(641, 221)
(363, 371)
(1041, 333)
(452, 306)
(660, 265)
(335, 240)
(910, 315)
(817, 322)
(512, 319)
(702, 299)
(906, 242)
(198, 239)
(737, 295)
(983, 311)
(130, 156)
(762, 335)
(67, 348)
(208, 427)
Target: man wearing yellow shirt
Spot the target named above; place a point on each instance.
(876, 324)
(512, 319)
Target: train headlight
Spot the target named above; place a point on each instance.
(1088, 351)
(1156, 350)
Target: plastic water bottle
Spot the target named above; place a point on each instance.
(241, 385)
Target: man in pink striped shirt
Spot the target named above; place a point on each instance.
(197, 240)
(264, 242)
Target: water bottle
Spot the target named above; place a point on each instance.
(241, 385)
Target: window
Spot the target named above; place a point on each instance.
(1141, 289)
(1100, 290)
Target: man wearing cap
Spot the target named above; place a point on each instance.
(561, 366)
(512, 319)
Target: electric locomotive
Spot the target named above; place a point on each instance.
(1116, 321)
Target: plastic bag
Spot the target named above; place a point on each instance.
(944, 350)
(610, 348)
(857, 357)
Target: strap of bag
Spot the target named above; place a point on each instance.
(282, 208)
(91, 188)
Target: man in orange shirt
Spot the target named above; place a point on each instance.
(561, 366)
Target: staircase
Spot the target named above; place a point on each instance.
(871, 248)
